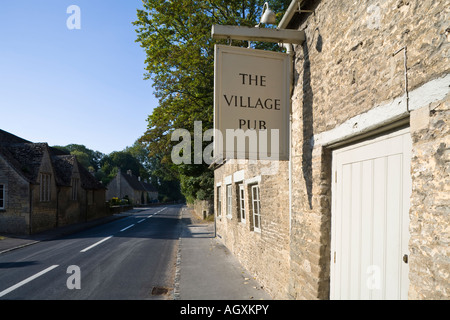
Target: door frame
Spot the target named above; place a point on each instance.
(406, 193)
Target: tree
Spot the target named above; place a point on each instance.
(176, 36)
(168, 186)
(90, 159)
(123, 161)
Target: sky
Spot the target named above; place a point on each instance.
(84, 86)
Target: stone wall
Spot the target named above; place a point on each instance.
(263, 253)
(96, 204)
(15, 217)
(69, 211)
(44, 213)
(202, 208)
(430, 202)
(346, 77)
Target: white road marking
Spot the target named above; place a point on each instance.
(21, 283)
(127, 227)
(103, 240)
(95, 244)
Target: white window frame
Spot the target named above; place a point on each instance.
(219, 201)
(3, 196)
(256, 207)
(241, 202)
(229, 198)
(45, 187)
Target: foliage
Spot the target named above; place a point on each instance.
(176, 36)
(115, 201)
(90, 159)
(134, 158)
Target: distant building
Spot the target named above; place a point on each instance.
(42, 187)
(131, 187)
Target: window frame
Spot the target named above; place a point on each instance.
(2, 196)
(241, 203)
(219, 201)
(229, 199)
(256, 207)
(45, 187)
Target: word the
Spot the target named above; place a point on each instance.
(253, 79)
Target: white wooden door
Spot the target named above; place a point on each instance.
(371, 187)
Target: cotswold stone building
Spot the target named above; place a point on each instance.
(131, 187)
(361, 210)
(42, 188)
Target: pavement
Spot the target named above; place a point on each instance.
(205, 270)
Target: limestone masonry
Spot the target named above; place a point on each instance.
(366, 70)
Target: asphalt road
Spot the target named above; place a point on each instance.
(129, 258)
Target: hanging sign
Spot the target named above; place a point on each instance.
(251, 103)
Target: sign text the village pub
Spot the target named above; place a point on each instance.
(251, 103)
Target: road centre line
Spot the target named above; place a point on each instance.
(103, 240)
(37, 275)
(127, 227)
(21, 283)
(95, 244)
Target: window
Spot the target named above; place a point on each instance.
(44, 188)
(2, 196)
(75, 184)
(219, 202)
(241, 202)
(229, 201)
(256, 208)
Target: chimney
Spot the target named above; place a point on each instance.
(129, 173)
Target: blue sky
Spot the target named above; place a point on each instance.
(64, 86)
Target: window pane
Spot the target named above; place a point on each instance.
(241, 202)
(2, 196)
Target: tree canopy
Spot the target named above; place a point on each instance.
(176, 36)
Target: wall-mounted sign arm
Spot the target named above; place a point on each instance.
(258, 34)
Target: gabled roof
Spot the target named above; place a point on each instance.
(135, 184)
(6, 137)
(88, 181)
(26, 158)
(149, 187)
(63, 166)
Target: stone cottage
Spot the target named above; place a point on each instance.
(131, 187)
(42, 187)
(361, 209)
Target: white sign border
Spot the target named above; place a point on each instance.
(219, 50)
